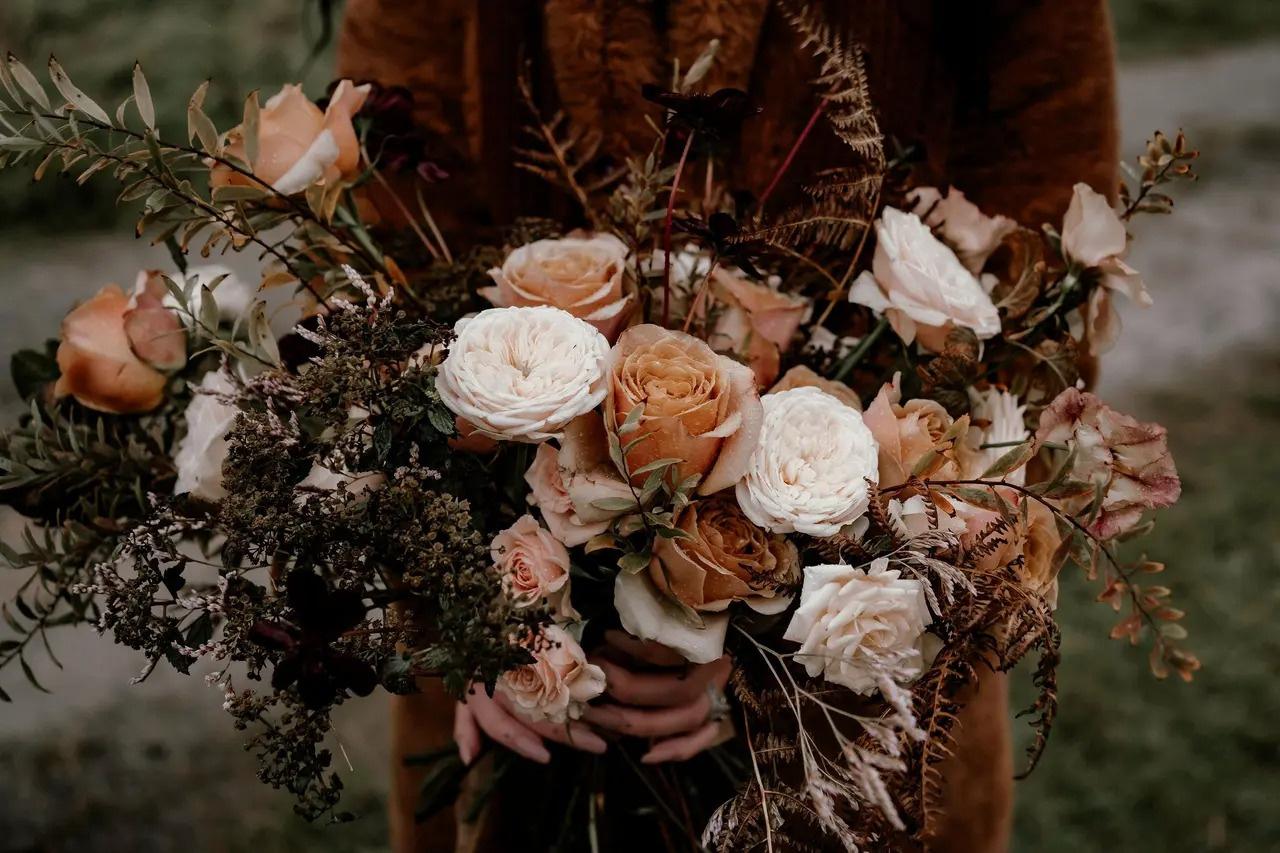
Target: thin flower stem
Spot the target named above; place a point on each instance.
(859, 352)
(666, 231)
(701, 295)
(764, 792)
(791, 155)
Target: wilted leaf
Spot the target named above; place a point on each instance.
(142, 97)
(77, 99)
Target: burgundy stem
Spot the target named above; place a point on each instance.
(791, 155)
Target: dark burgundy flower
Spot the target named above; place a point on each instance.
(721, 233)
(308, 659)
(714, 115)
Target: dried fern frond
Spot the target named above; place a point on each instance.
(843, 81)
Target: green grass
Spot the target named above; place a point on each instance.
(1136, 764)
(1147, 28)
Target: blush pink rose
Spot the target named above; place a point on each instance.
(905, 433)
(535, 565)
(967, 230)
(559, 683)
(547, 492)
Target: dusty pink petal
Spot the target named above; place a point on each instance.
(971, 233)
(155, 333)
(1091, 231)
(586, 471)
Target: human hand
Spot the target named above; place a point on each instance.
(680, 708)
(494, 716)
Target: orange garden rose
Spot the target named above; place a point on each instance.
(754, 321)
(725, 559)
(298, 144)
(114, 348)
(699, 407)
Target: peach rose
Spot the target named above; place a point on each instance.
(699, 407)
(905, 433)
(754, 321)
(298, 144)
(535, 565)
(1036, 541)
(1094, 236)
(548, 493)
(967, 230)
(725, 558)
(108, 346)
(558, 684)
(581, 274)
(587, 473)
(804, 377)
(920, 285)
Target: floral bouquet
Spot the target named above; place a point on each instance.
(846, 442)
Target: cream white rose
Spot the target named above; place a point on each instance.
(559, 683)
(581, 274)
(857, 626)
(522, 374)
(535, 565)
(966, 229)
(811, 465)
(203, 449)
(921, 286)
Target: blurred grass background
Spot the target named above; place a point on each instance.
(1133, 764)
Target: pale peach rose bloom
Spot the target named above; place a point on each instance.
(801, 376)
(920, 285)
(905, 433)
(1094, 236)
(535, 565)
(1128, 458)
(559, 683)
(725, 559)
(584, 274)
(967, 230)
(298, 144)
(548, 493)
(754, 321)
(103, 343)
(699, 407)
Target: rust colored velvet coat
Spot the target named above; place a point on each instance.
(1011, 100)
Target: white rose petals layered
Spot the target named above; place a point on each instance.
(810, 469)
(522, 374)
(856, 627)
(920, 285)
(203, 449)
